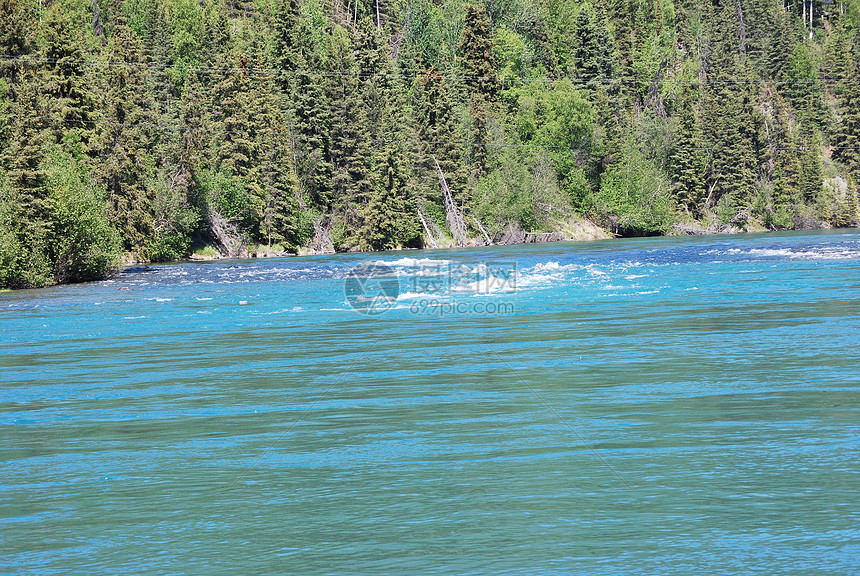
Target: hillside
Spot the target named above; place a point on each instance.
(147, 129)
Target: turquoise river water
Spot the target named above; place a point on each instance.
(643, 406)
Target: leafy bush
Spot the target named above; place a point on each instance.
(84, 246)
(633, 198)
(175, 222)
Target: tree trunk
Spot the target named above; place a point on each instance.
(453, 215)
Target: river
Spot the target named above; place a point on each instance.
(642, 406)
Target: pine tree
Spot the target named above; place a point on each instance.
(688, 158)
(847, 137)
(25, 155)
(303, 81)
(373, 110)
(620, 15)
(479, 60)
(587, 49)
(272, 183)
(804, 88)
(124, 137)
(214, 41)
(780, 47)
(16, 38)
(481, 80)
(348, 135)
(5, 123)
(158, 51)
(69, 98)
(434, 114)
(811, 169)
(593, 53)
(289, 45)
(783, 145)
(25, 209)
(732, 117)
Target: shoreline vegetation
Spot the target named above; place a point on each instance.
(142, 131)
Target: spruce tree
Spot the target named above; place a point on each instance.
(214, 41)
(783, 146)
(25, 155)
(847, 137)
(780, 48)
(69, 97)
(16, 38)
(480, 66)
(435, 121)
(481, 80)
(348, 131)
(732, 117)
(688, 158)
(303, 80)
(126, 125)
(586, 53)
(25, 209)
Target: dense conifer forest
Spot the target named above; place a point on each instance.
(150, 129)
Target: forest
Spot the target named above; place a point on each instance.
(155, 130)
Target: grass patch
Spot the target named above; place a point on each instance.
(207, 251)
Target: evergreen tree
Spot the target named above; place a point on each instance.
(847, 137)
(481, 80)
(479, 59)
(780, 47)
(69, 98)
(349, 138)
(783, 145)
(434, 114)
(16, 40)
(25, 155)
(732, 118)
(5, 124)
(804, 88)
(302, 79)
(125, 135)
(587, 49)
(25, 209)
(593, 54)
(811, 169)
(689, 158)
(214, 41)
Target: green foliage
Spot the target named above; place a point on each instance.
(504, 198)
(309, 124)
(520, 195)
(561, 120)
(226, 193)
(689, 157)
(175, 221)
(593, 56)
(512, 53)
(804, 89)
(480, 66)
(633, 199)
(23, 262)
(83, 244)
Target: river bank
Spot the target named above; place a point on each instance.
(573, 230)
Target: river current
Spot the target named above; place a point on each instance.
(643, 406)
